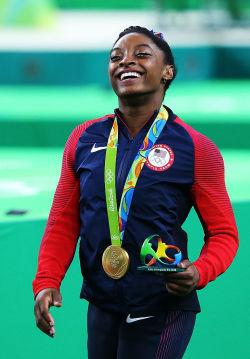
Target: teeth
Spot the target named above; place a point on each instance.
(129, 74)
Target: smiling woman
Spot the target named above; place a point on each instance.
(127, 185)
(145, 58)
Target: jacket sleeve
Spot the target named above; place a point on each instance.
(213, 206)
(62, 230)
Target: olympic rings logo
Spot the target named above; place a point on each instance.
(109, 176)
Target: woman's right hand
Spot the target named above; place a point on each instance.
(44, 300)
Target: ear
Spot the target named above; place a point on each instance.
(168, 73)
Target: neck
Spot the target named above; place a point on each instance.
(136, 113)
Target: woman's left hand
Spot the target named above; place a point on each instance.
(182, 283)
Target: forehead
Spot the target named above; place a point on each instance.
(133, 40)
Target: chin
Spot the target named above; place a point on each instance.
(132, 92)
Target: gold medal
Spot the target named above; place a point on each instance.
(115, 261)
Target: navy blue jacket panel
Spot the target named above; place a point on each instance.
(160, 205)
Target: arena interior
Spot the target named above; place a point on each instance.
(53, 76)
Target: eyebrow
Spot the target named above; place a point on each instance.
(118, 48)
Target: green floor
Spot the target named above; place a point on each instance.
(44, 116)
(211, 99)
(28, 177)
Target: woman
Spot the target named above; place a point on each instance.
(162, 167)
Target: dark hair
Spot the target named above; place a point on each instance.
(160, 42)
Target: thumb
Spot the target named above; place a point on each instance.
(184, 264)
(56, 299)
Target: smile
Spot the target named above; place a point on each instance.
(129, 75)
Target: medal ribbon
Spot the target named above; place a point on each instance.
(117, 220)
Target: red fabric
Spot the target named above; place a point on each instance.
(62, 230)
(213, 206)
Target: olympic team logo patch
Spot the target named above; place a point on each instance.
(160, 158)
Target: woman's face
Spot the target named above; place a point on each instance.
(137, 66)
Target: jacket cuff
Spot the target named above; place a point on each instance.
(43, 283)
(203, 281)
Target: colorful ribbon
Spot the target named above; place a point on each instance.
(117, 221)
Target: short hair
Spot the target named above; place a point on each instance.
(159, 42)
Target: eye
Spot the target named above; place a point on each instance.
(143, 54)
(115, 58)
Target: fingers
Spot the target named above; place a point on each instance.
(182, 283)
(184, 264)
(44, 300)
(56, 299)
(175, 289)
(180, 287)
(44, 320)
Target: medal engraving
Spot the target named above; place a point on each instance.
(115, 261)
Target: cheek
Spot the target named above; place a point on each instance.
(113, 84)
(109, 71)
(111, 79)
(155, 77)
(111, 68)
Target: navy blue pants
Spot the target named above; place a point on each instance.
(119, 336)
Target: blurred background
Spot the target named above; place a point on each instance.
(53, 76)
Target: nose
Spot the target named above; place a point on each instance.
(127, 60)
